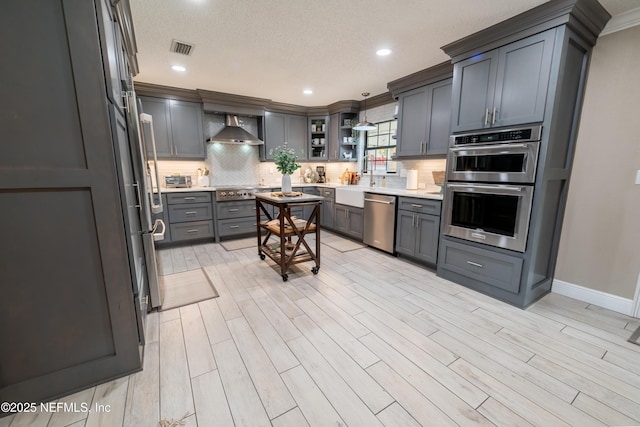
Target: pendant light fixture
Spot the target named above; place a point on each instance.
(365, 125)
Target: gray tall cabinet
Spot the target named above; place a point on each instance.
(67, 315)
(528, 69)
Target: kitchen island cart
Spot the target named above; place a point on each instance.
(288, 251)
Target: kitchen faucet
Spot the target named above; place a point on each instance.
(372, 181)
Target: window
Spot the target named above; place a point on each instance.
(380, 148)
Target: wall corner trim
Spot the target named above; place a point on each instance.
(592, 296)
(622, 21)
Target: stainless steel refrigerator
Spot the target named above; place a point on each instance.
(139, 205)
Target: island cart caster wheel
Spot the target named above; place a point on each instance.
(262, 257)
(285, 277)
(314, 270)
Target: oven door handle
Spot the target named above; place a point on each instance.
(497, 147)
(506, 189)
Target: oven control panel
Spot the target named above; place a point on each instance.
(530, 133)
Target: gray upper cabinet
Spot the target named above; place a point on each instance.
(424, 116)
(318, 131)
(503, 87)
(177, 126)
(289, 128)
(334, 137)
(159, 110)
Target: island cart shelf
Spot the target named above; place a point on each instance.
(288, 251)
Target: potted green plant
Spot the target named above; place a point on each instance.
(286, 162)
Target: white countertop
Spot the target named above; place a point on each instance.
(422, 194)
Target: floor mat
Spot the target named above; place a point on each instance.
(185, 288)
(635, 337)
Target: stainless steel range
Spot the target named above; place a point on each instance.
(235, 193)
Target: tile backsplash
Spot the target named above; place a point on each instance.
(231, 164)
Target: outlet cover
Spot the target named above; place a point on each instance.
(638, 177)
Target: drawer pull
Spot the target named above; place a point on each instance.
(193, 230)
(191, 213)
(189, 198)
(416, 206)
(234, 226)
(233, 210)
(475, 264)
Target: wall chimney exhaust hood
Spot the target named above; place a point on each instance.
(232, 133)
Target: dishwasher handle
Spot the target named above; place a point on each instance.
(386, 202)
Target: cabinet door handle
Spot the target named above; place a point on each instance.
(493, 116)
(233, 210)
(191, 213)
(234, 226)
(475, 264)
(193, 230)
(189, 198)
(486, 116)
(416, 206)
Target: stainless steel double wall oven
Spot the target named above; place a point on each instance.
(489, 190)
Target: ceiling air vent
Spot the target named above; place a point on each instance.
(181, 47)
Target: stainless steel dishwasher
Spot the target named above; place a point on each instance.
(380, 221)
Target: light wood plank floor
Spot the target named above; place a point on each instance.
(371, 340)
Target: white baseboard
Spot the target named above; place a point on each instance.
(591, 296)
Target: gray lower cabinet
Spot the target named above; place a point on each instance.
(190, 216)
(424, 117)
(418, 228)
(236, 218)
(505, 86)
(289, 128)
(67, 311)
(485, 268)
(308, 210)
(177, 127)
(349, 220)
(327, 216)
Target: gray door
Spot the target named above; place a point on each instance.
(67, 306)
(334, 136)
(274, 132)
(439, 124)
(356, 223)
(159, 109)
(523, 79)
(427, 237)
(296, 135)
(186, 129)
(327, 219)
(412, 127)
(473, 91)
(405, 233)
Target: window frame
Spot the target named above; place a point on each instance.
(367, 149)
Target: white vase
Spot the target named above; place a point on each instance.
(286, 183)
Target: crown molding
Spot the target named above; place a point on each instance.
(442, 71)
(379, 100)
(586, 18)
(622, 21)
(170, 92)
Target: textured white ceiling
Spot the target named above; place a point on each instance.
(275, 49)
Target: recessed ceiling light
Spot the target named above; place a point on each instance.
(178, 68)
(383, 52)
(307, 91)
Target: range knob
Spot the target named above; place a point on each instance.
(230, 193)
